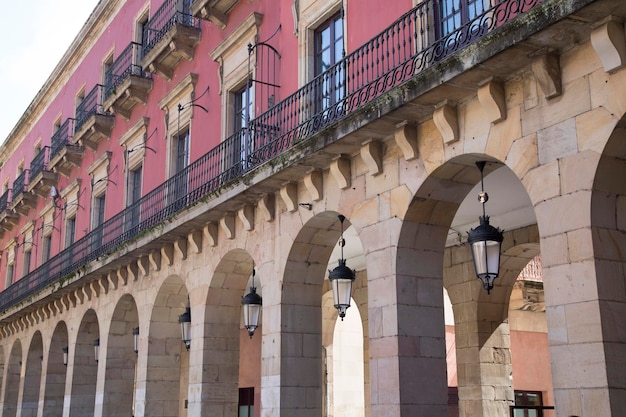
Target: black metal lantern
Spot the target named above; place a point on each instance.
(341, 279)
(96, 349)
(65, 355)
(252, 303)
(185, 327)
(136, 339)
(485, 242)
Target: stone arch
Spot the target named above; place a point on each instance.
(121, 359)
(228, 350)
(426, 262)
(304, 283)
(168, 361)
(13, 377)
(56, 373)
(32, 377)
(83, 366)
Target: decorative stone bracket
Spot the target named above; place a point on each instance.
(608, 38)
(246, 215)
(228, 225)
(547, 71)
(340, 170)
(314, 184)
(405, 136)
(289, 194)
(447, 122)
(491, 98)
(372, 155)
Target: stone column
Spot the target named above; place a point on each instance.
(406, 323)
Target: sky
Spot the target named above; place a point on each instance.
(32, 43)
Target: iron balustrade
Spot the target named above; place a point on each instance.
(61, 137)
(125, 65)
(408, 46)
(4, 201)
(40, 162)
(19, 185)
(90, 105)
(171, 13)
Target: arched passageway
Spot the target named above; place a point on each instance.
(32, 377)
(12, 384)
(84, 367)
(56, 373)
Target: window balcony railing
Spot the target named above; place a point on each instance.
(61, 137)
(171, 13)
(125, 65)
(396, 55)
(40, 162)
(91, 105)
(19, 185)
(4, 200)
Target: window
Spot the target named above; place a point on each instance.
(456, 13)
(181, 159)
(329, 50)
(243, 113)
(525, 399)
(9, 275)
(246, 402)
(107, 77)
(27, 256)
(178, 193)
(46, 247)
(140, 36)
(70, 231)
(134, 194)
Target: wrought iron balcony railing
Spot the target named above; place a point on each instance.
(408, 46)
(61, 137)
(91, 104)
(4, 201)
(171, 12)
(125, 65)
(40, 162)
(19, 185)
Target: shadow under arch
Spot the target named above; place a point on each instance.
(32, 377)
(167, 375)
(12, 385)
(231, 359)
(56, 373)
(121, 359)
(84, 366)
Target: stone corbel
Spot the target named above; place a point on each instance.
(228, 225)
(405, 136)
(112, 279)
(87, 292)
(314, 184)
(181, 248)
(58, 307)
(372, 155)
(491, 98)
(167, 254)
(447, 122)
(210, 231)
(155, 260)
(289, 194)
(122, 275)
(133, 271)
(340, 170)
(246, 215)
(195, 241)
(267, 207)
(608, 39)
(79, 295)
(295, 12)
(216, 17)
(547, 71)
(101, 288)
(144, 265)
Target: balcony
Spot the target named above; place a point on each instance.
(126, 82)
(8, 218)
(93, 123)
(22, 200)
(65, 155)
(215, 11)
(392, 62)
(41, 178)
(169, 36)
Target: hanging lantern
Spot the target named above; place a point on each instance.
(136, 339)
(185, 327)
(485, 242)
(341, 279)
(96, 349)
(252, 303)
(65, 355)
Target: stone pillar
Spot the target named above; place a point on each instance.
(406, 323)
